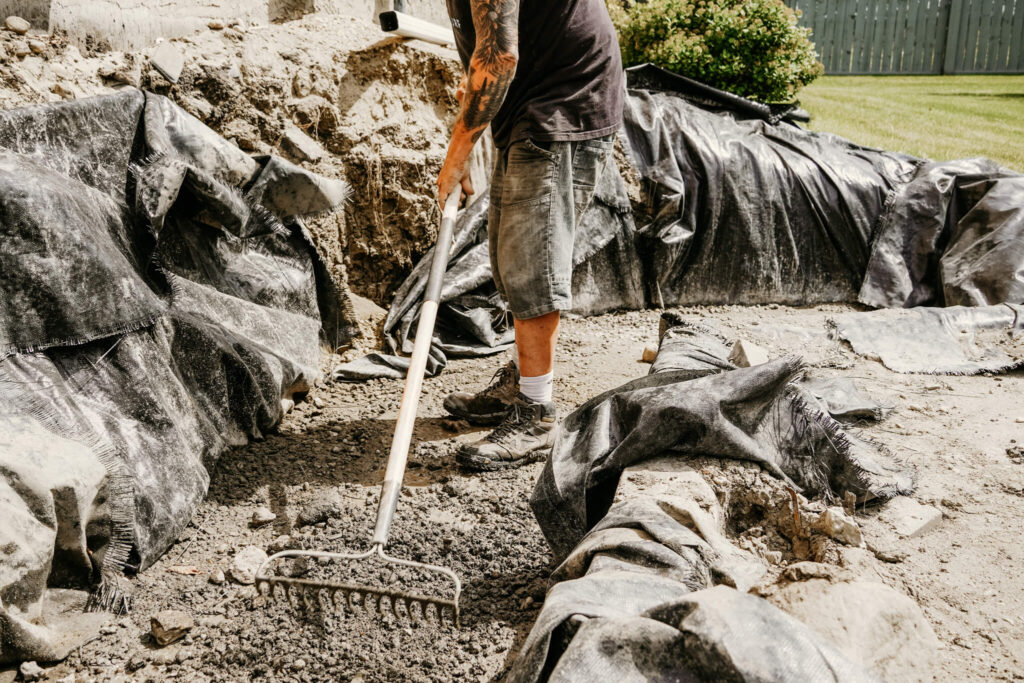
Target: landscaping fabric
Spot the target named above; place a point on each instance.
(159, 295)
(959, 340)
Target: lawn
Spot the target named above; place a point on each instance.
(939, 117)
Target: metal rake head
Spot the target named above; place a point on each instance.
(315, 594)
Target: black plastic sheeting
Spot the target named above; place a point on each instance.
(953, 236)
(648, 587)
(159, 295)
(762, 414)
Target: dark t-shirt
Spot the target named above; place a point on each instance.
(569, 81)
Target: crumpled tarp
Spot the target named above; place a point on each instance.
(746, 211)
(953, 236)
(159, 295)
(638, 594)
(959, 340)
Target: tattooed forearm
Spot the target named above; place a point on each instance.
(492, 65)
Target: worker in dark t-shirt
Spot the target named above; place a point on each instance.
(546, 75)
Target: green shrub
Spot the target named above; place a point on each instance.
(752, 48)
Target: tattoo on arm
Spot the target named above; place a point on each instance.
(493, 63)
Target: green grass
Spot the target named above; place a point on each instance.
(938, 117)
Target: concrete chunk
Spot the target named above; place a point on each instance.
(908, 517)
(747, 354)
(300, 145)
(168, 60)
(839, 526)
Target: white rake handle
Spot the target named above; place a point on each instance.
(414, 377)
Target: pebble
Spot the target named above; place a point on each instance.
(216, 25)
(37, 46)
(217, 577)
(318, 402)
(30, 671)
(169, 626)
(262, 517)
(17, 25)
(246, 563)
(21, 48)
(837, 525)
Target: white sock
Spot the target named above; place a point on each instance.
(537, 389)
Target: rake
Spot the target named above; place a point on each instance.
(312, 593)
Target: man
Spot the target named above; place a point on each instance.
(546, 75)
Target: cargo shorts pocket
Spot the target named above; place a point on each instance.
(529, 173)
(588, 163)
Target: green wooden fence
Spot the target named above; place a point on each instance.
(916, 36)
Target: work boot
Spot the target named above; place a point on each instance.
(490, 406)
(524, 437)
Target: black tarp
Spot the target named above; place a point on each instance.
(638, 593)
(159, 295)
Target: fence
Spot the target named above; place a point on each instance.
(916, 36)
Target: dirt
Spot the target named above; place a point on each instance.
(958, 431)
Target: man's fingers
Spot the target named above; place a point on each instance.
(467, 184)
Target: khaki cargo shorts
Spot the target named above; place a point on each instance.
(539, 191)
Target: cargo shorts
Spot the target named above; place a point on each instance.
(539, 192)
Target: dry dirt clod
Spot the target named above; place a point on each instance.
(21, 48)
(30, 671)
(262, 517)
(246, 563)
(169, 626)
(216, 25)
(17, 25)
(839, 526)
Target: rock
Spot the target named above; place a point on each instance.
(169, 626)
(649, 355)
(30, 671)
(63, 90)
(246, 563)
(319, 512)
(1016, 454)
(262, 517)
(216, 577)
(746, 354)
(135, 663)
(20, 48)
(216, 24)
(282, 543)
(168, 60)
(286, 405)
(316, 113)
(37, 46)
(19, 26)
(870, 623)
(125, 76)
(245, 134)
(234, 34)
(839, 526)
(908, 517)
(300, 145)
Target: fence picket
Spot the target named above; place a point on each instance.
(916, 36)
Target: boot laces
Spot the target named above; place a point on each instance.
(499, 382)
(520, 415)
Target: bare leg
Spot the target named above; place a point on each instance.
(535, 342)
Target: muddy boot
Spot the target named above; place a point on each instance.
(490, 406)
(525, 436)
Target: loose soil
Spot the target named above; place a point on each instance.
(956, 430)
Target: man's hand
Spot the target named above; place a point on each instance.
(491, 70)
